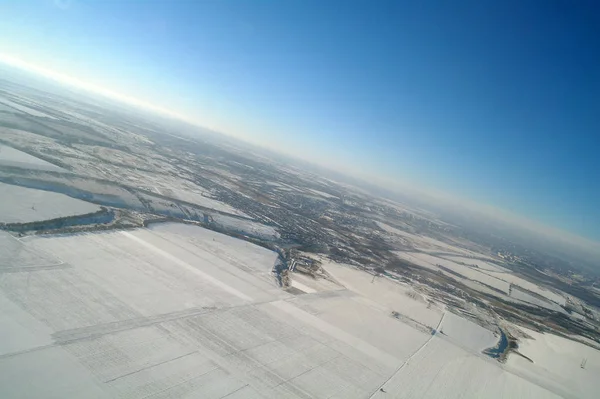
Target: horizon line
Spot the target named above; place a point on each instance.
(384, 183)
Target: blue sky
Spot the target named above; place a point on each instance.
(494, 101)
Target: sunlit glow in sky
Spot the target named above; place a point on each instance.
(88, 86)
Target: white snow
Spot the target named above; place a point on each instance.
(207, 277)
(13, 157)
(521, 295)
(431, 245)
(467, 334)
(15, 256)
(546, 293)
(483, 273)
(22, 205)
(201, 199)
(244, 226)
(25, 109)
(557, 361)
(423, 242)
(385, 294)
(179, 311)
(393, 230)
(159, 312)
(431, 262)
(238, 253)
(313, 284)
(443, 370)
(338, 333)
(483, 265)
(302, 287)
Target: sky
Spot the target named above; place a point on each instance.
(497, 102)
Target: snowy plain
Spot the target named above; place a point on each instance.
(22, 205)
(385, 294)
(180, 311)
(177, 310)
(12, 157)
(431, 262)
(444, 370)
(558, 361)
(483, 273)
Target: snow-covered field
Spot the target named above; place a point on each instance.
(467, 334)
(322, 194)
(447, 365)
(386, 295)
(176, 311)
(431, 245)
(309, 284)
(24, 109)
(483, 265)
(488, 274)
(14, 255)
(174, 187)
(424, 243)
(13, 157)
(179, 311)
(201, 199)
(557, 362)
(431, 262)
(249, 257)
(524, 296)
(546, 293)
(106, 194)
(444, 370)
(247, 227)
(22, 205)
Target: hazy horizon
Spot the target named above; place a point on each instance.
(428, 137)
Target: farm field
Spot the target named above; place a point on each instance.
(386, 295)
(199, 199)
(485, 275)
(12, 157)
(558, 361)
(177, 310)
(443, 370)
(431, 262)
(22, 205)
(483, 265)
(183, 310)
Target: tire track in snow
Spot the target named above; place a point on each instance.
(437, 328)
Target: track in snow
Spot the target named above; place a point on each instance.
(410, 357)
